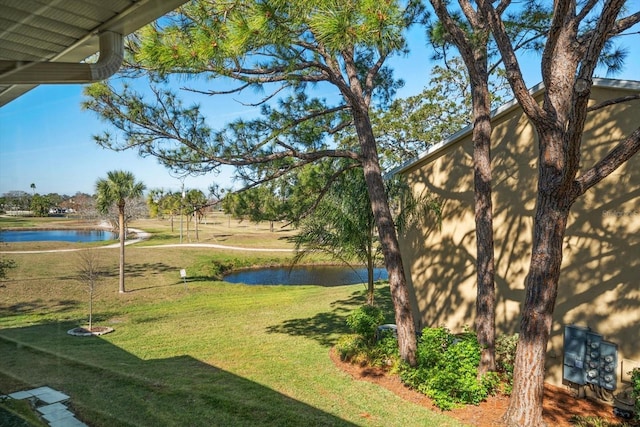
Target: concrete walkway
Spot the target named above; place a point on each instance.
(50, 405)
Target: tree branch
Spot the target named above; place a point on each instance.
(586, 9)
(612, 161)
(624, 24)
(599, 36)
(512, 67)
(612, 102)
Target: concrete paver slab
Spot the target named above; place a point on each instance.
(54, 412)
(68, 422)
(48, 409)
(41, 390)
(58, 415)
(52, 396)
(19, 395)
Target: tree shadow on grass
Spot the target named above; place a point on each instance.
(139, 270)
(327, 327)
(110, 386)
(38, 306)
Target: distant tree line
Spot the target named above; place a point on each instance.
(80, 204)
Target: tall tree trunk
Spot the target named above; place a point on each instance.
(388, 238)
(473, 49)
(541, 287)
(485, 322)
(122, 239)
(569, 60)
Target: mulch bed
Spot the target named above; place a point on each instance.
(558, 408)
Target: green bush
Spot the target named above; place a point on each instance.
(365, 345)
(433, 343)
(447, 369)
(364, 321)
(384, 352)
(635, 391)
(216, 269)
(505, 359)
(350, 347)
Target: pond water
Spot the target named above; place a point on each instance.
(323, 275)
(81, 236)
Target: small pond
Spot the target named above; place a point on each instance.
(81, 236)
(322, 275)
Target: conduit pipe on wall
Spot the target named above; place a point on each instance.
(109, 62)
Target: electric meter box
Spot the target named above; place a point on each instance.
(608, 365)
(588, 359)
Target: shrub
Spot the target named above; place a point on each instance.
(365, 345)
(635, 391)
(216, 269)
(384, 352)
(350, 347)
(364, 321)
(433, 343)
(447, 369)
(505, 359)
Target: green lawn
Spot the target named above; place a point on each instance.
(207, 354)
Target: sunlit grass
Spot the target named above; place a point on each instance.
(202, 353)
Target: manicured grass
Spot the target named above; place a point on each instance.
(205, 354)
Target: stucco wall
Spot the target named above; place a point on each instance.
(600, 280)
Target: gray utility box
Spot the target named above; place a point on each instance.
(588, 359)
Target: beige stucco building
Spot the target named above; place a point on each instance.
(600, 281)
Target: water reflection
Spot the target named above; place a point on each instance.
(82, 236)
(322, 275)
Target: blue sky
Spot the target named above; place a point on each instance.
(46, 138)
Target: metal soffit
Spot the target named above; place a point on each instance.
(46, 41)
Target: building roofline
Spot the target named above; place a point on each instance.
(509, 106)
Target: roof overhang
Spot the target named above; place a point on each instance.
(47, 41)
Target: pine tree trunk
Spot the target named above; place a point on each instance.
(541, 290)
(485, 272)
(472, 45)
(388, 238)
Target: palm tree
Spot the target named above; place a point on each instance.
(116, 189)
(33, 187)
